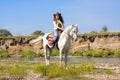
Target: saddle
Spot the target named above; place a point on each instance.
(51, 36)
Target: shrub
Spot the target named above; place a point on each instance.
(40, 54)
(55, 53)
(117, 53)
(78, 53)
(4, 53)
(28, 54)
(38, 32)
(98, 53)
(89, 53)
(107, 53)
(4, 32)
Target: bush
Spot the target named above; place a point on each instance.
(89, 53)
(55, 53)
(4, 53)
(98, 53)
(40, 54)
(117, 53)
(108, 53)
(28, 54)
(4, 32)
(78, 53)
(38, 32)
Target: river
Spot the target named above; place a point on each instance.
(70, 59)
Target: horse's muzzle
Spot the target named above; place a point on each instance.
(76, 39)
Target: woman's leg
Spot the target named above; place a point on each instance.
(55, 36)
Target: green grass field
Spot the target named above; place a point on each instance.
(23, 69)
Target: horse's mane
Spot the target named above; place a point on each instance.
(68, 29)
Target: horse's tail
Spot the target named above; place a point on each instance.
(39, 39)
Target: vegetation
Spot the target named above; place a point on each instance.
(99, 34)
(117, 53)
(4, 32)
(4, 53)
(28, 54)
(78, 53)
(38, 32)
(21, 69)
(55, 53)
(99, 53)
(104, 28)
(88, 53)
(93, 33)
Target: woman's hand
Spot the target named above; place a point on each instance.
(60, 28)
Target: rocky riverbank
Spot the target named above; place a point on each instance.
(109, 41)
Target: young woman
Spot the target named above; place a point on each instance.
(58, 23)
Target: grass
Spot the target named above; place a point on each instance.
(88, 53)
(117, 53)
(4, 53)
(74, 71)
(55, 53)
(101, 53)
(28, 54)
(100, 34)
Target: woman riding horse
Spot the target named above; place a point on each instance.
(58, 23)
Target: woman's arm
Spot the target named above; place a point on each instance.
(56, 25)
(62, 26)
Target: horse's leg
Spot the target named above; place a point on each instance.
(48, 57)
(66, 55)
(45, 54)
(61, 57)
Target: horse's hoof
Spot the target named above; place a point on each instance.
(47, 64)
(66, 68)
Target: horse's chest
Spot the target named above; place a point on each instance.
(64, 42)
(67, 45)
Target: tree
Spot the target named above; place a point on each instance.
(104, 28)
(93, 32)
(38, 32)
(4, 32)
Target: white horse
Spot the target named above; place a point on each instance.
(64, 43)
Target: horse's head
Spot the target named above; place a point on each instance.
(74, 31)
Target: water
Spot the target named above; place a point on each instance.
(70, 59)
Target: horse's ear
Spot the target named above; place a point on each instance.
(76, 25)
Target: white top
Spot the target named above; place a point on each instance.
(56, 25)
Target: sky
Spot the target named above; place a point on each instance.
(23, 17)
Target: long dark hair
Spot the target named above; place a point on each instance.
(60, 17)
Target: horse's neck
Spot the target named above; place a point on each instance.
(68, 29)
(66, 32)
